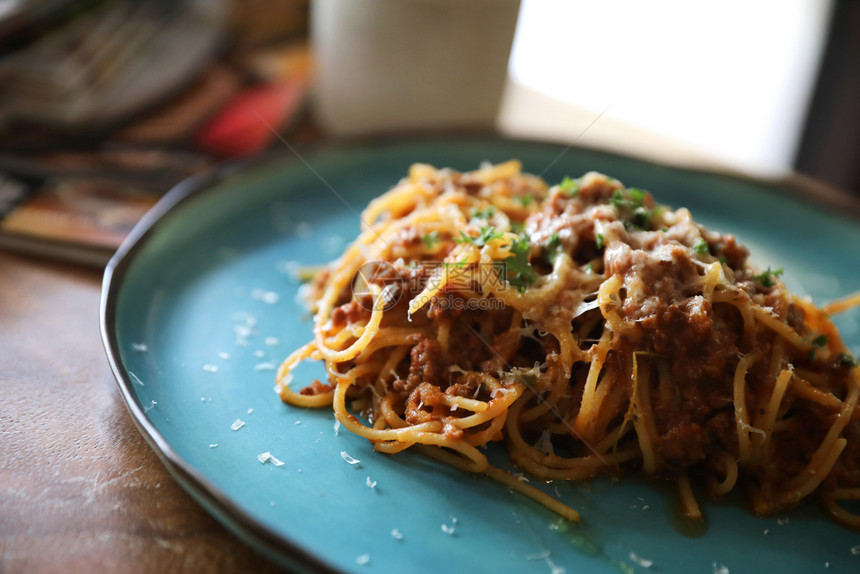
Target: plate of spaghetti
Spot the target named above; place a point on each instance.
(495, 354)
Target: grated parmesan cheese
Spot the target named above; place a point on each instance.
(213, 445)
(363, 559)
(268, 297)
(751, 429)
(720, 568)
(209, 368)
(639, 561)
(370, 483)
(449, 530)
(265, 457)
(223, 355)
(272, 341)
(348, 459)
(289, 267)
(140, 347)
(237, 424)
(264, 367)
(855, 550)
(396, 534)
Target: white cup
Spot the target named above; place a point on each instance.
(406, 65)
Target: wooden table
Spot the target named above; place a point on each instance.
(80, 489)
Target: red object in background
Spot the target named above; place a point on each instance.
(244, 125)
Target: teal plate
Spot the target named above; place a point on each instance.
(199, 306)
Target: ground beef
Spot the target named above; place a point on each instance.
(466, 348)
(353, 312)
(468, 385)
(682, 441)
(424, 404)
(734, 253)
(426, 365)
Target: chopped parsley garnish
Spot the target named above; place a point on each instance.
(848, 360)
(485, 213)
(517, 267)
(701, 247)
(589, 268)
(487, 234)
(641, 215)
(430, 240)
(817, 343)
(525, 200)
(552, 248)
(767, 279)
(569, 187)
(637, 195)
(518, 226)
(599, 242)
(621, 201)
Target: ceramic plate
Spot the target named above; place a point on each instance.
(199, 306)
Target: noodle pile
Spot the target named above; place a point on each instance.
(591, 330)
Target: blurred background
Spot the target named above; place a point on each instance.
(106, 104)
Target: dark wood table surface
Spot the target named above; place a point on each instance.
(80, 489)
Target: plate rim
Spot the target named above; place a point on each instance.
(214, 501)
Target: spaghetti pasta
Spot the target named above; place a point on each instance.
(590, 329)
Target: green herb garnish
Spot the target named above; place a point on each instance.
(641, 217)
(701, 247)
(637, 195)
(430, 240)
(767, 279)
(817, 343)
(632, 202)
(487, 234)
(569, 187)
(599, 242)
(485, 213)
(525, 200)
(848, 360)
(517, 267)
(552, 248)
